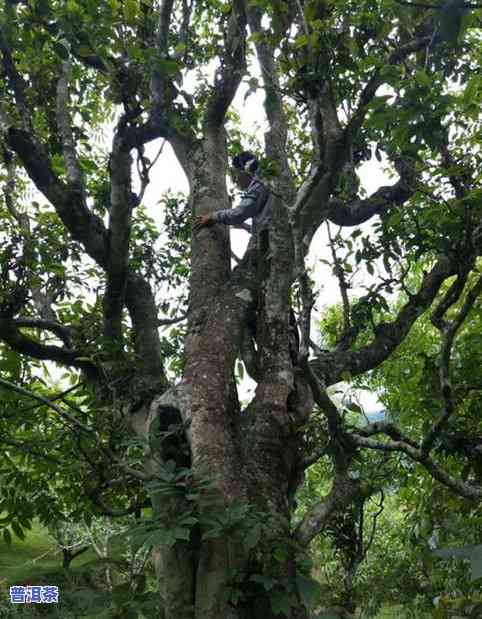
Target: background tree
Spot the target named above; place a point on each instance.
(340, 80)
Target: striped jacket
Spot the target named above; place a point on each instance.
(254, 203)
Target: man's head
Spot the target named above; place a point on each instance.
(244, 167)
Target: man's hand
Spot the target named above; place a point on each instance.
(202, 222)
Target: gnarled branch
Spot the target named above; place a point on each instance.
(358, 211)
(343, 492)
(332, 365)
(459, 487)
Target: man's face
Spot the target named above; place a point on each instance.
(241, 178)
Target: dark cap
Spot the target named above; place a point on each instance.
(246, 162)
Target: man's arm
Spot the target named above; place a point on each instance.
(251, 204)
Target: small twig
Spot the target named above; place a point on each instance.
(29, 394)
(144, 168)
(303, 19)
(324, 402)
(58, 396)
(307, 301)
(374, 525)
(462, 488)
(172, 321)
(340, 275)
(450, 331)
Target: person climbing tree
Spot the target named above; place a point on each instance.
(254, 201)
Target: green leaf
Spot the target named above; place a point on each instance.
(7, 536)
(73, 7)
(267, 582)
(423, 79)
(252, 538)
(61, 50)
(167, 67)
(181, 533)
(301, 40)
(130, 10)
(17, 529)
(281, 602)
(180, 49)
(380, 102)
(84, 50)
(256, 37)
(309, 590)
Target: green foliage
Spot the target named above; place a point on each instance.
(428, 102)
(419, 514)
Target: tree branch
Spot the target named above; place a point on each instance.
(459, 487)
(376, 80)
(439, 7)
(64, 414)
(313, 202)
(158, 85)
(450, 332)
(120, 215)
(68, 200)
(34, 451)
(233, 67)
(249, 355)
(107, 510)
(16, 82)
(83, 225)
(314, 456)
(324, 402)
(343, 492)
(64, 123)
(276, 137)
(332, 365)
(61, 331)
(451, 296)
(10, 334)
(388, 428)
(307, 303)
(142, 308)
(339, 273)
(358, 211)
(162, 322)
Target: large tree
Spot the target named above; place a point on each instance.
(340, 79)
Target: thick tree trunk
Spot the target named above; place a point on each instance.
(215, 323)
(252, 457)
